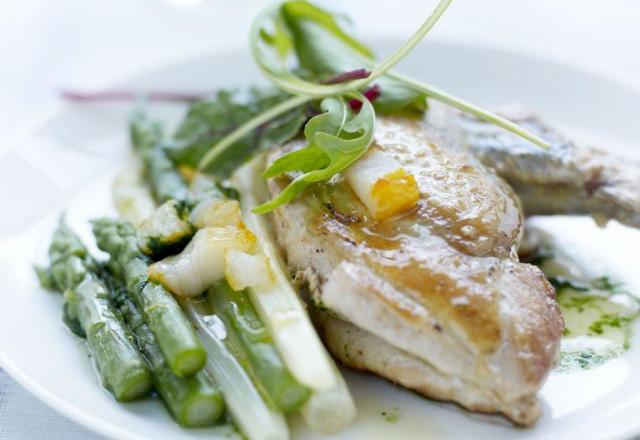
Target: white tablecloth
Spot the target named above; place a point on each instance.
(23, 417)
(73, 43)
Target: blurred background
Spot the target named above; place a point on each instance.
(49, 45)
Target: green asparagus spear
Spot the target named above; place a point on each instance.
(168, 228)
(193, 401)
(254, 348)
(88, 313)
(175, 336)
(248, 339)
(147, 137)
(166, 182)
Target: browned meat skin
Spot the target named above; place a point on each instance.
(441, 285)
(566, 179)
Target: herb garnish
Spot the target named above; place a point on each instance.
(599, 313)
(210, 121)
(585, 359)
(324, 52)
(336, 139)
(391, 415)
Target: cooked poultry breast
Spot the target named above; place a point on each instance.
(566, 179)
(434, 299)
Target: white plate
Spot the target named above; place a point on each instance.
(68, 161)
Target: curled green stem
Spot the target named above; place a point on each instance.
(444, 97)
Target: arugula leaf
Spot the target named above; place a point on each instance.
(320, 52)
(279, 38)
(304, 10)
(323, 52)
(209, 121)
(304, 160)
(336, 139)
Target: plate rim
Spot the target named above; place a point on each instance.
(99, 426)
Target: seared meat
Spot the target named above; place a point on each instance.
(364, 351)
(566, 179)
(442, 304)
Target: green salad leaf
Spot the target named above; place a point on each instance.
(303, 10)
(336, 139)
(296, 16)
(322, 53)
(354, 133)
(209, 121)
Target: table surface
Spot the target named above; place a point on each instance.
(73, 44)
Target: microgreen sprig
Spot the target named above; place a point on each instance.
(278, 72)
(249, 126)
(271, 44)
(457, 103)
(307, 91)
(336, 139)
